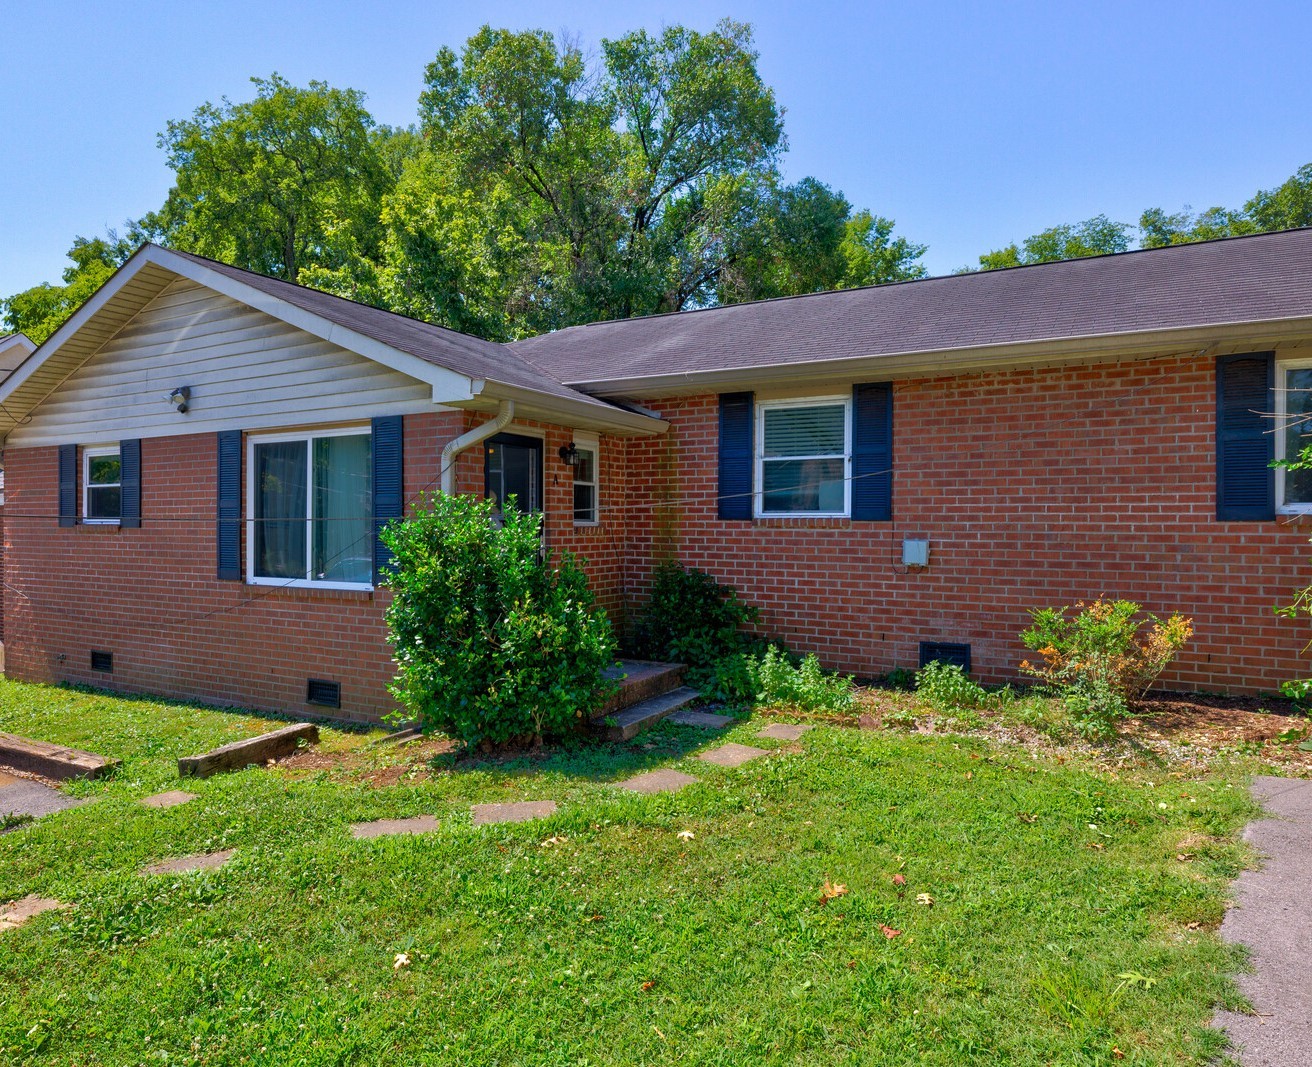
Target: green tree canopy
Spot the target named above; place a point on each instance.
(1097, 236)
(290, 178)
(41, 310)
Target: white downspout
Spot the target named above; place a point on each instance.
(453, 448)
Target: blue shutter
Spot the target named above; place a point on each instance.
(228, 541)
(68, 485)
(737, 460)
(872, 452)
(389, 483)
(1245, 437)
(129, 457)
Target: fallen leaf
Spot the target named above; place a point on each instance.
(1184, 857)
(596, 919)
(1027, 816)
(553, 841)
(970, 775)
(1118, 1053)
(685, 835)
(1095, 845)
(925, 899)
(829, 891)
(851, 965)
(1195, 925)
(402, 960)
(899, 879)
(647, 986)
(889, 932)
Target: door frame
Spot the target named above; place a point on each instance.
(521, 440)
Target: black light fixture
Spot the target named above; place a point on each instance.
(569, 455)
(180, 398)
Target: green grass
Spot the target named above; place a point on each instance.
(623, 943)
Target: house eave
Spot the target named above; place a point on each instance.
(889, 366)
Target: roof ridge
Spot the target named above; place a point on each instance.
(901, 282)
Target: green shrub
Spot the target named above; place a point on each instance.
(946, 687)
(805, 685)
(774, 677)
(691, 618)
(492, 643)
(1097, 660)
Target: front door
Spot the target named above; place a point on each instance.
(512, 466)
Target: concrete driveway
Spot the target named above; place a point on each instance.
(1273, 917)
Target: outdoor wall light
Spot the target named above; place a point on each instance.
(179, 398)
(569, 455)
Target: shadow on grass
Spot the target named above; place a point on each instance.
(592, 760)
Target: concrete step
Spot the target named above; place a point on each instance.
(631, 721)
(640, 679)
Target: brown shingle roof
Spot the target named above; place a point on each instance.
(1243, 279)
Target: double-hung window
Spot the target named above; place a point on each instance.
(1293, 434)
(310, 509)
(102, 485)
(803, 457)
(585, 481)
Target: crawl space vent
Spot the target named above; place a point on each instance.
(945, 652)
(102, 661)
(326, 694)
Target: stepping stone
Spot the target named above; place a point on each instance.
(204, 861)
(170, 799)
(783, 731)
(732, 755)
(524, 811)
(19, 911)
(663, 781)
(704, 719)
(420, 824)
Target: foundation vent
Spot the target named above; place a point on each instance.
(945, 652)
(102, 661)
(325, 694)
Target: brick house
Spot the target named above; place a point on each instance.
(197, 460)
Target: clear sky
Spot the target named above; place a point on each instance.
(971, 124)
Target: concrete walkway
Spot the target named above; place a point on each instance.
(22, 796)
(1273, 918)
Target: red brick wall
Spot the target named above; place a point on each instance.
(150, 595)
(1035, 487)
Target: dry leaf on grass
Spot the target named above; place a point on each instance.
(685, 835)
(925, 899)
(1027, 816)
(648, 986)
(889, 932)
(402, 960)
(829, 891)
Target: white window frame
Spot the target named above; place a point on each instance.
(758, 494)
(99, 452)
(308, 436)
(1282, 409)
(592, 443)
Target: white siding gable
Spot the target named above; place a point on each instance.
(245, 370)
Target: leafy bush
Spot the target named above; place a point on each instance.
(691, 618)
(772, 677)
(946, 687)
(492, 643)
(1097, 660)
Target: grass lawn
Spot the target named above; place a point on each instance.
(605, 934)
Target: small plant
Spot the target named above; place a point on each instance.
(774, 677)
(806, 685)
(691, 618)
(1098, 660)
(900, 678)
(946, 687)
(492, 643)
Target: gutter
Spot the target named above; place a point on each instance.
(453, 448)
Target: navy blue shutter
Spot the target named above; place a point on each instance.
(228, 540)
(68, 485)
(1245, 437)
(389, 487)
(872, 452)
(737, 458)
(129, 457)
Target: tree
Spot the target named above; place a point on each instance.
(1287, 206)
(292, 178)
(1098, 236)
(809, 240)
(42, 309)
(647, 181)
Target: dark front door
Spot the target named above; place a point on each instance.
(512, 466)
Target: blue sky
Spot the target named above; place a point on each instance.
(971, 124)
